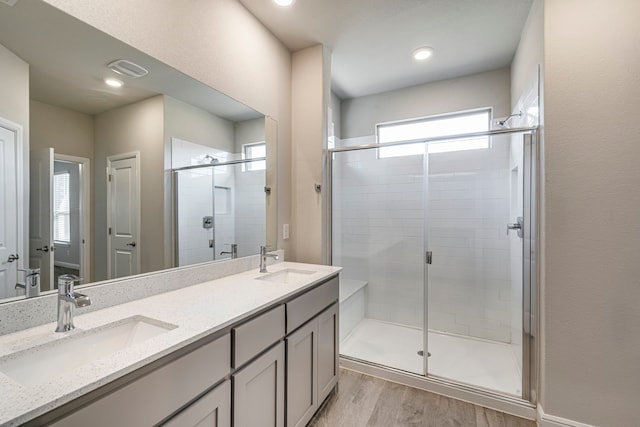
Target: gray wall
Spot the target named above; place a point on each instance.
(311, 94)
(136, 127)
(247, 132)
(592, 288)
(196, 125)
(70, 133)
(360, 115)
(218, 34)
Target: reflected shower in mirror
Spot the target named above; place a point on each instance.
(90, 188)
(219, 199)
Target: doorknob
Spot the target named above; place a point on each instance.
(45, 248)
(132, 244)
(13, 257)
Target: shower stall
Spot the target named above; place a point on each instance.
(219, 210)
(437, 240)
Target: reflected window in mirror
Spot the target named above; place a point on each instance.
(61, 208)
(255, 150)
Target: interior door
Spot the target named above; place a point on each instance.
(41, 215)
(8, 215)
(123, 220)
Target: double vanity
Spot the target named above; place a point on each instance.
(248, 349)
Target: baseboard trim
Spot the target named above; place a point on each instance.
(546, 420)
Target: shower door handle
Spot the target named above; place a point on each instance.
(517, 226)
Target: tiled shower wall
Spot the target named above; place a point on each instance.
(250, 216)
(239, 219)
(469, 280)
(195, 200)
(378, 236)
(378, 230)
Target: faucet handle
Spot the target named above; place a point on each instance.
(66, 283)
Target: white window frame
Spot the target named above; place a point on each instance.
(57, 213)
(253, 166)
(439, 147)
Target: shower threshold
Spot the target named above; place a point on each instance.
(487, 364)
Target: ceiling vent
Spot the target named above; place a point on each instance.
(9, 2)
(127, 68)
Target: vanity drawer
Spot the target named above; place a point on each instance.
(307, 305)
(250, 338)
(153, 397)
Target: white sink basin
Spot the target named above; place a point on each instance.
(288, 275)
(38, 364)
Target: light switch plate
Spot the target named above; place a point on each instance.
(285, 231)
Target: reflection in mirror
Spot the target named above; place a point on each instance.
(219, 198)
(86, 182)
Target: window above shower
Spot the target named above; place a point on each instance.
(433, 127)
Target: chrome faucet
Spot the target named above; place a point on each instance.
(263, 258)
(67, 301)
(233, 252)
(31, 283)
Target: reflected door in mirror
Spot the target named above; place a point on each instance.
(123, 221)
(40, 219)
(8, 217)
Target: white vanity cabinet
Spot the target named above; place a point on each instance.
(312, 351)
(211, 410)
(153, 397)
(272, 368)
(258, 383)
(258, 391)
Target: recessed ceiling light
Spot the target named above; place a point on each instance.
(422, 53)
(113, 82)
(284, 2)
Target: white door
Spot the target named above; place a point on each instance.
(8, 213)
(41, 215)
(123, 220)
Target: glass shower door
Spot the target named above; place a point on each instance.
(378, 207)
(194, 216)
(475, 297)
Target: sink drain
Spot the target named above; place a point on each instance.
(421, 353)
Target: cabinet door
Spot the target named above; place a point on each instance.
(211, 410)
(302, 390)
(155, 396)
(327, 351)
(258, 391)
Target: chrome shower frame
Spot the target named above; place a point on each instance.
(525, 406)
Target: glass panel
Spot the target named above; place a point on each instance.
(217, 207)
(475, 280)
(194, 216)
(378, 238)
(240, 216)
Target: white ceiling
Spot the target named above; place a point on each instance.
(372, 40)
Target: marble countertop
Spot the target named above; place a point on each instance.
(197, 311)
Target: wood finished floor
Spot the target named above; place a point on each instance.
(362, 400)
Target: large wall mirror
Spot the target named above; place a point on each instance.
(105, 182)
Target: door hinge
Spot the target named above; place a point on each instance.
(428, 257)
(109, 177)
(109, 231)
